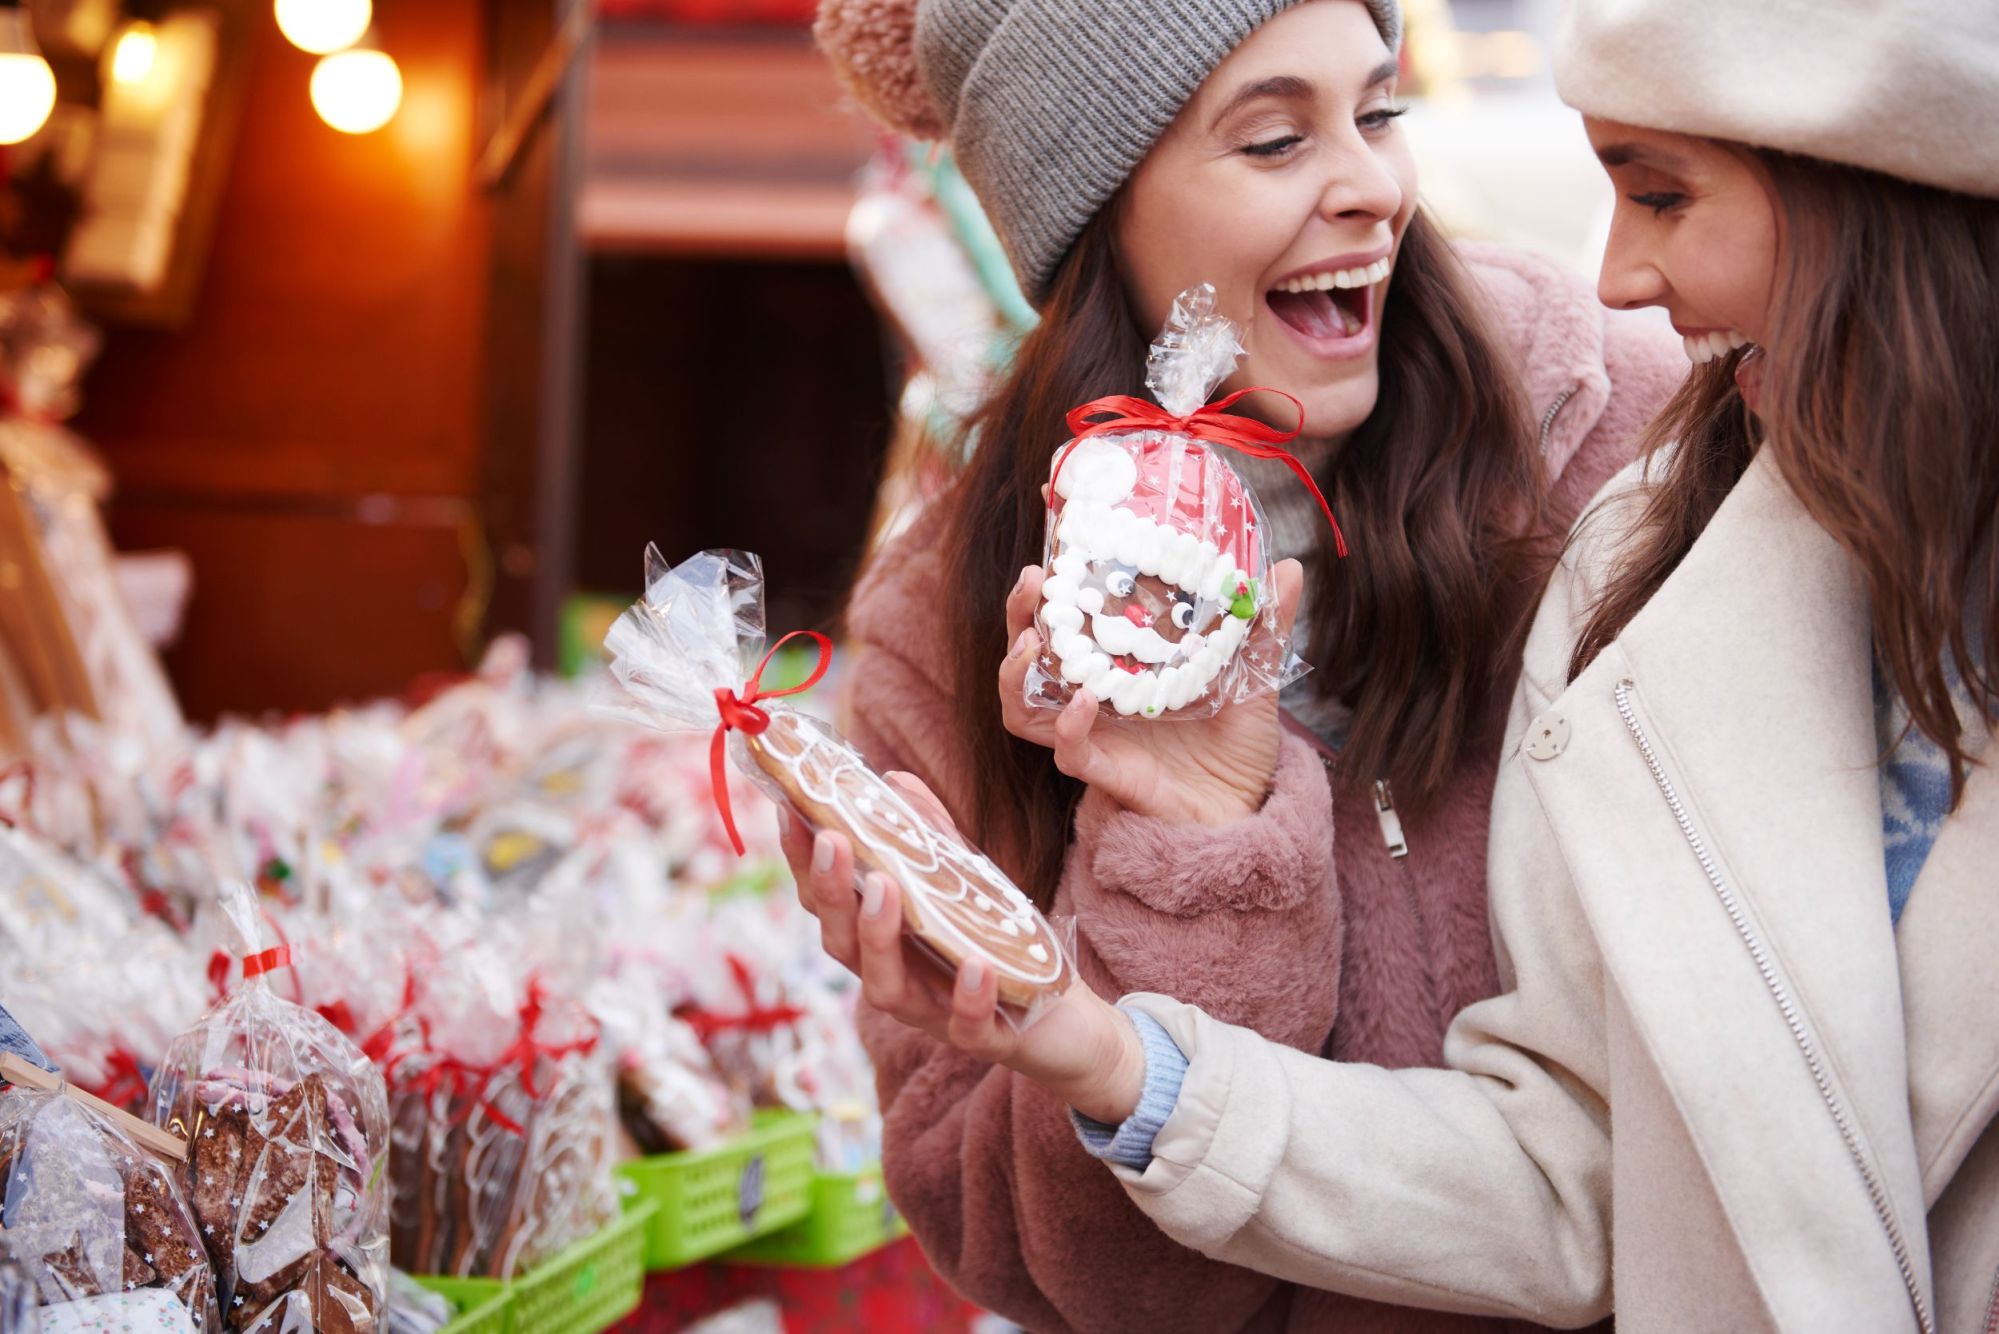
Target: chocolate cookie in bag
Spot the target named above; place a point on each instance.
(94, 1218)
(690, 657)
(1157, 597)
(287, 1128)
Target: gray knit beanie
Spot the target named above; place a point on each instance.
(1050, 105)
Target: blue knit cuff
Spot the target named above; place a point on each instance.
(1129, 1144)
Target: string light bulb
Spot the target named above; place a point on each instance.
(133, 53)
(324, 26)
(27, 84)
(357, 91)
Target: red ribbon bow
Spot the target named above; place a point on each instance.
(1211, 422)
(741, 714)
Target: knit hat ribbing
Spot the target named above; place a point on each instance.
(1049, 105)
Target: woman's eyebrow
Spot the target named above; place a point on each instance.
(1641, 155)
(1281, 85)
(1296, 88)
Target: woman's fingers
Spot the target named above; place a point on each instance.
(1288, 579)
(1076, 752)
(1020, 718)
(974, 1026)
(1021, 602)
(796, 840)
(923, 801)
(831, 872)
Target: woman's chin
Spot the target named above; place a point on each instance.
(1330, 410)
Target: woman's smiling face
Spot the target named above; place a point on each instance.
(1695, 232)
(1286, 183)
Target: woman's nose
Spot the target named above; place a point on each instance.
(1361, 188)
(1630, 277)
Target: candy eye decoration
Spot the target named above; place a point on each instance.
(1183, 611)
(1121, 582)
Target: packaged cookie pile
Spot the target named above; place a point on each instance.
(101, 1233)
(1157, 597)
(502, 1124)
(286, 1122)
(690, 655)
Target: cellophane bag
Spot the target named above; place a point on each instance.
(286, 1121)
(1157, 596)
(96, 1221)
(503, 1123)
(690, 656)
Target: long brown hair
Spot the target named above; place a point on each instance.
(1880, 405)
(1440, 492)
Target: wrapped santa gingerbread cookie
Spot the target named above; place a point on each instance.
(690, 656)
(286, 1122)
(1157, 597)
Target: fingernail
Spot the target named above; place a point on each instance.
(822, 854)
(1020, 644)
(871, 896)
(973, 975)
(1020, 580)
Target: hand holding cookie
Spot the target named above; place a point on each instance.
(1198, 771)
(1079, 1047)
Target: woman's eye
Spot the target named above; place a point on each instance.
(1659, 201)
(1274, 147)
(1119, 583)
(1380, 118)
(1183, 613)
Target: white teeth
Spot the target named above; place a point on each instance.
(1342, 278)
(1703, 348)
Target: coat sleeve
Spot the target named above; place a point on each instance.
(984, 1164)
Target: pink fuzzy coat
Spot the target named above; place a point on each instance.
(1295, 922)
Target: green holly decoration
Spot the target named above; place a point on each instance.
(1243, 606)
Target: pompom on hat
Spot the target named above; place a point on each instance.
(1909, 88)
(1045, 122)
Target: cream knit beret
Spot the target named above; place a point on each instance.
(1905, 87)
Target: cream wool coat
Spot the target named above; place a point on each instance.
(1690, 905)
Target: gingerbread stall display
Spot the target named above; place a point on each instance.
(1157, 597)
(286, 1122)
(690, 655)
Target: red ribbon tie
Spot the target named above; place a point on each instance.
(739, 713)
(1211, 422)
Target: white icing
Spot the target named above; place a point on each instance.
(933, 868)
(1120, 636)
(1096, 469)
(1063, 618)
(1090, 601)
(1037, 953)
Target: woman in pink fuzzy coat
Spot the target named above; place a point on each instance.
(1320, 877)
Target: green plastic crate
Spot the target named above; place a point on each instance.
(475, 1315)
(851, 1217)
(587, 1288)
(717, 1198)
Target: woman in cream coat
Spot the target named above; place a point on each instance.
(1744, 1069)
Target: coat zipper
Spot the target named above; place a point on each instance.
(1781, 993)
(1554, 411)
(1392, 836)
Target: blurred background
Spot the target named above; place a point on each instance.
(374, 331)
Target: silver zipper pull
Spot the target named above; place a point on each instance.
(1391, 823)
